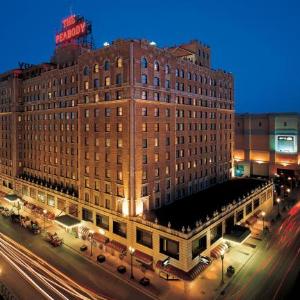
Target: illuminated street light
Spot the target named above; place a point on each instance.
(263, 219)
(278, 203)
(222, 258)
(131, 251)
(288, 190)
(91, 237)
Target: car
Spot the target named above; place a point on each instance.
(230, 270)
(205, 259)
(144, 281)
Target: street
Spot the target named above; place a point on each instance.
(273, 269)
(85, 274)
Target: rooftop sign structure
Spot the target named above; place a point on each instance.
(74, 29)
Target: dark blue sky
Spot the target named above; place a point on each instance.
(258, 40)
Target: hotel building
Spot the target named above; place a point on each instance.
(110, 136)
(267, 144)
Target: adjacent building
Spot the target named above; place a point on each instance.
(110, 136)
(267, 144)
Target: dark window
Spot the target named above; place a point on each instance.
(96, 83)
(87, 215)
(229, 223)
(144, 79)
(239, 215)
(144, 237)
(215, 233)
(198, 246)
(120, 228)
(106, 65)
(248, 208)
(256, 203)
(169, 247)
(102, 221)
(119, 79)
(144, 63)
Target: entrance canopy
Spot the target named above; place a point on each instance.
(67, 221)
(238, 234)
(11, 198)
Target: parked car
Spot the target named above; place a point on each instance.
(230, 270)
(15, 218)
(144, 281)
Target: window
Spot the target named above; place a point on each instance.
(156, 81)
(119, 79)
(144, 63)
(239, 215)
(107, 96)
(156, 66)
(144, 95)
(87, 215)
(256, 203)
(106, 65)
(144, 237)
(119, 62)
(86, 71)
(198, 246)
(215, 233)
(144, 79)
(144, 127)
(169, 247)
(107, 112)
(144, 111)
(120, 228)
(167, 69)
(107, 81)
(86, 85)
(50, 200)
(248, 208)
(96, 68)
(119, 111)
(102, 221)
(96, 83)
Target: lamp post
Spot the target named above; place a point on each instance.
(278, 203)
(44, 213)
(91, 237)
(263, 219)
(131, 251)
(222, 258)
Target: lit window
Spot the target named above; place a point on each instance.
(119, 62)
(96, 68)
(107, 81)
(86, 85)
(119, 111)
(156, 66)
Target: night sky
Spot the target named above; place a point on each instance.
(259, 42)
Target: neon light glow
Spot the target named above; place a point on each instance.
(73, 32)
(69, 21)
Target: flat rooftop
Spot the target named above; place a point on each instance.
(189, 210)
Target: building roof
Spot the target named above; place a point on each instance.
(273, 114)
(187, 211)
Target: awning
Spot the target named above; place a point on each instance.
(143, 257)
(11, 198)
(217, 251)
(67, 221)
(116, 246)
(174, 271)
(200, 267)
(84, 231)
(100, 238)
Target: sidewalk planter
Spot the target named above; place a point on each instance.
(83, 248)
(230, 271)
(144, 281)
(121, 269)
(100, 258)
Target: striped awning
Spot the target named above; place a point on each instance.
(193, 273)
(116, 246)
(217, 251)
(100, 238)
(143, 257)
(174, 271)
(251, 220)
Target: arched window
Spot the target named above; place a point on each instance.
(107, 81)
(86, 70)
(106, 65)
(144, 63)
(156, 66)
(119, 62)
(96, 68)
(167, 70)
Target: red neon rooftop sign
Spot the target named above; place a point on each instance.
(73, 28)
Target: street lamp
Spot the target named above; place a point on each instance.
(44, 213)
(91, 237)
(131, 251)
(263, 219)
(222, 258)
(278, 202)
